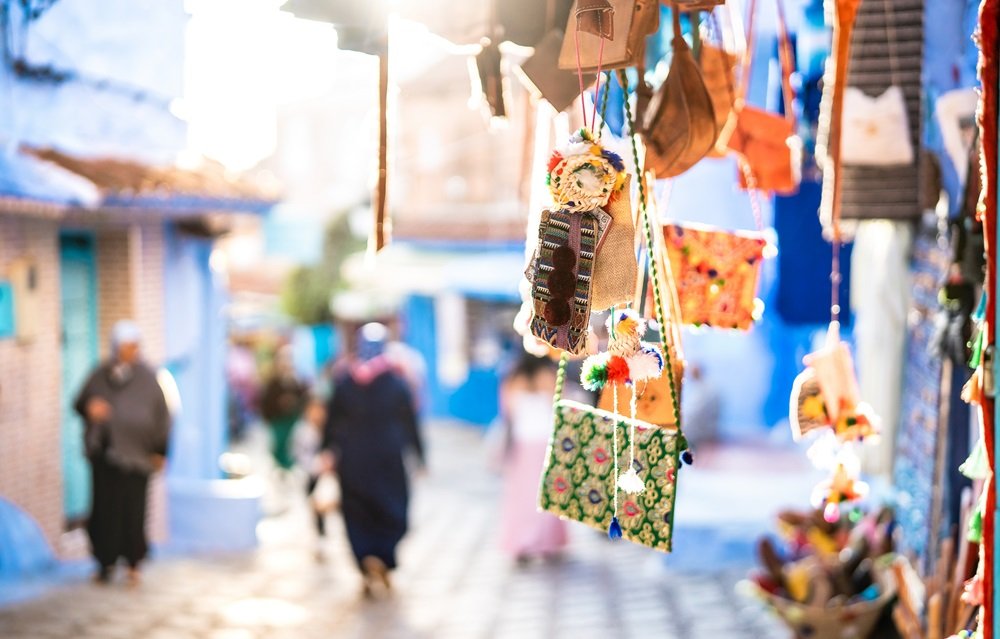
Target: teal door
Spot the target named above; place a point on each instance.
(78, 286)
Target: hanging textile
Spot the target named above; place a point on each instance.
(873, 66)
(989, 77)
(803, 287)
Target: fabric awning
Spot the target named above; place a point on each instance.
(407, 269)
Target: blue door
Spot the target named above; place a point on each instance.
(78, 293)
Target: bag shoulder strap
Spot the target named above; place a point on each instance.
(786, 58)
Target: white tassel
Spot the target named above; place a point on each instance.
(630, 482)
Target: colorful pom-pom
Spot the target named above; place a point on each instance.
(614, 159)
(594, 375)
(831, 512)
(618, 372)
(615, 529)
(646, 364)
(554, 160)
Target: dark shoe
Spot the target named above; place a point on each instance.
(103, 575)
(134, 578)
(376, 572)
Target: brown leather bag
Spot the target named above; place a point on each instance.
(679, 125)
(767, 141)
(695, 5)
(717, 66)
(596, 17)
(632, 22)
(541, 74)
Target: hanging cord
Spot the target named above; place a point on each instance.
(579, 75)
(651, 247)
(604, 104)
(614, 446)
(751, 181)
(835, 271)
(560, 379)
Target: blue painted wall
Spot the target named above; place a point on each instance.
(195, 355)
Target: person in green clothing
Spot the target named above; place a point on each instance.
(281, 406)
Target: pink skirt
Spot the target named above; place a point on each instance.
(524, 530)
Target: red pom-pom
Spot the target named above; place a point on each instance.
(554, 160)
(617, 370)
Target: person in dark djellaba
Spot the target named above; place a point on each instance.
(371, 425)
(127, 426)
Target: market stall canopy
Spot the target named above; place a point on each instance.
(128, 184)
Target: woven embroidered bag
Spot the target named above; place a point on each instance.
(579, 478)
(717, 273)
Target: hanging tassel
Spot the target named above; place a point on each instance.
(686, 455)
(630, 482)
(615, 529)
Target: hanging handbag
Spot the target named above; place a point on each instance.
(491, 78)
(717, 272)
(717, 67)
(561, 277)
(826, 394)
(542, 76)
(876, 130)
(633, 21)
(615, 267)
(679, 125)
(767, 141)
(579, 480)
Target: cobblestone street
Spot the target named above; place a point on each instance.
(453, 582)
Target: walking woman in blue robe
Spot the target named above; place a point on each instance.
(371, 424)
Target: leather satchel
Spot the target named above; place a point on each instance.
(679, 125)
(542, 76)
(767, 141)
(632, 22)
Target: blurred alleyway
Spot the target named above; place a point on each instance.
(453, 583)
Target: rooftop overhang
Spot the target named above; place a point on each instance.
(49, 183)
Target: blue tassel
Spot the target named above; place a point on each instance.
(615, 529)
(687, 457)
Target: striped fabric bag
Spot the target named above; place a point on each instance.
(561, 276)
